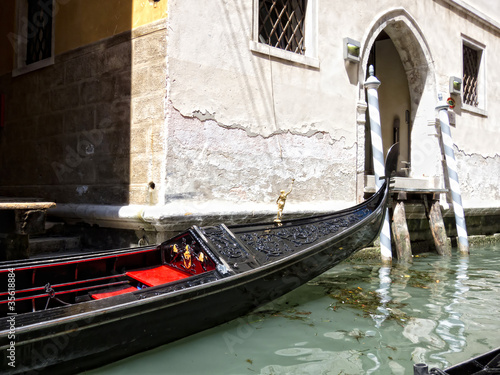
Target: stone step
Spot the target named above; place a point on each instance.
(43, 245)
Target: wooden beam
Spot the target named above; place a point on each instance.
(401, 233)
(438, 230)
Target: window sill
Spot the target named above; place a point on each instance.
(32, 67)
(283, 55)
(474, 110)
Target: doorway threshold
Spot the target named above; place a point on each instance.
(421, 184)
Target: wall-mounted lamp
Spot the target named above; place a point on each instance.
(455, 85)
(352, 50)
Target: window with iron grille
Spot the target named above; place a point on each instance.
(39, 37)
(282, 24)
(471, 64)
(33, 40)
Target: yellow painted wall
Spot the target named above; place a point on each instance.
(7, 21)
(144, 12)
(80, 22)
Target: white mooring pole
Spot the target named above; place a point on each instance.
(372, 84)
(444, 121)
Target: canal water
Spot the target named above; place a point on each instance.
(358, 318)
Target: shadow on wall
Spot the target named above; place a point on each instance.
(66, 134)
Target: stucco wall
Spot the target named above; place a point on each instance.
(81, 22)
(216, 79)
(282, 120)
(209, 162)
(473, 133)
(214, 72)
(487, 7)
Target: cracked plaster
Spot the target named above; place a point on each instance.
(210, 161)
(218, 77)
(479, 176)
(306, 130)
(268, 104)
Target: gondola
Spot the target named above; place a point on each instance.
(487, 363)
(68, 314)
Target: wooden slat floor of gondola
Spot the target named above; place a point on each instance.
(113, 293)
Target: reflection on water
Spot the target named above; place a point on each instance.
(451, 329)
(384, 292)
(354, 319)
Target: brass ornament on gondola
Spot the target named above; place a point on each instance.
(281, 203)
(187, 257)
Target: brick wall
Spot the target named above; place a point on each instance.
(88, 129)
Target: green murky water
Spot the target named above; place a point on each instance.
(355, 319)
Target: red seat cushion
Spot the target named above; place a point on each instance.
(158, 275)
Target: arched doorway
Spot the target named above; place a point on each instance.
(394, 104)
(397, 48)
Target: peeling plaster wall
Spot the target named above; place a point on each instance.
(208, 161)
(243, 124)
(479, 178)
(236, 117)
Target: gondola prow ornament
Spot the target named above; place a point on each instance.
(281, 203)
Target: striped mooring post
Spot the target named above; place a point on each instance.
(372, 84)
(458, 209)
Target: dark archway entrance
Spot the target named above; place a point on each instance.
(394, 103)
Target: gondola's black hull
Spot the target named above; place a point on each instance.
(73, 338)
(487, 363)
(78, 342)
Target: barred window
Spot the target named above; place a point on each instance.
(471, 64)
(39, 37)
(282, 24)
(34, 39)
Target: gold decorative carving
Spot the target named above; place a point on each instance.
(281, 203)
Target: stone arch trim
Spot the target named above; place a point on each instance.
(409, 40)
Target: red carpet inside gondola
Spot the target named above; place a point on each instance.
(158, 275)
